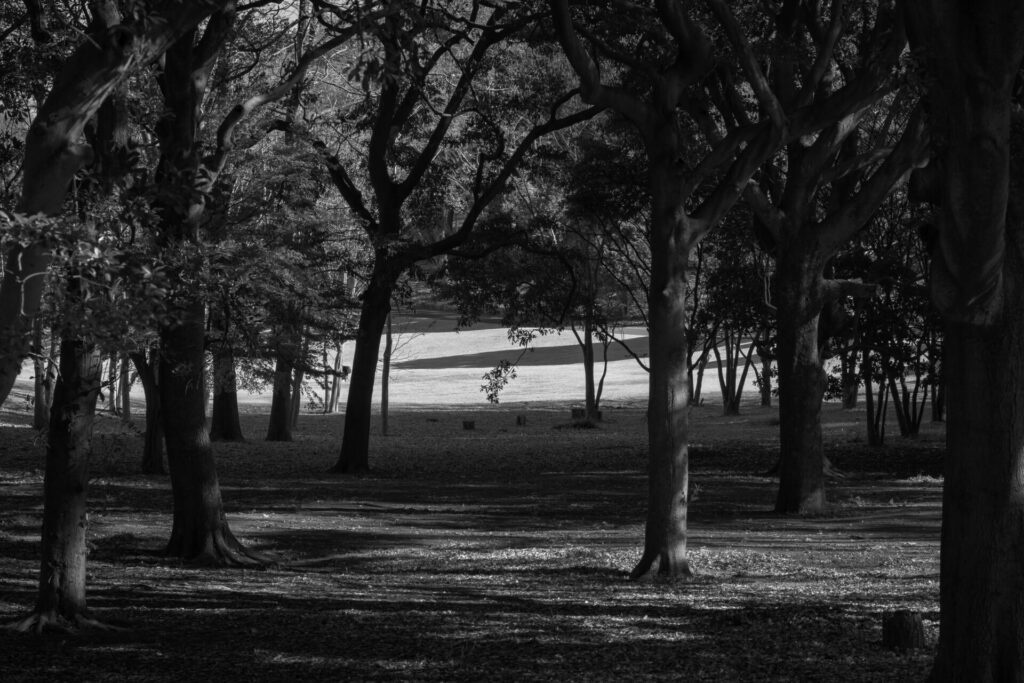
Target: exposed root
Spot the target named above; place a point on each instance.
(667, 569)
(831, 472)
(219, 549)
(51, 622)
(643, 567)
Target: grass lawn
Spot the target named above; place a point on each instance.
(500, 553)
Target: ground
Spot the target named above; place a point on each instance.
(498, 553)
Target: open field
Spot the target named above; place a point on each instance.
(494, 554)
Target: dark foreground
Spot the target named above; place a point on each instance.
(497, 554)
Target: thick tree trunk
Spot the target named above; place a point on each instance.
(978, 284)
(225, 424)
(153, 448)
(982, 586)
(200, 531)
(355, 444)
(801, 385)
(61, 598)
(279, 428)
(667, 415)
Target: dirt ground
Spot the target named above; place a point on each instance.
(500, 553)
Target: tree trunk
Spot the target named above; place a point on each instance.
(876, 413)
(153, 449)
(295, 408)
(355, 444)
(332, 405)
(981, 592)
(42, 392)
(801, 385)
(225, 424)
(112, 384)
(850, 379)
(200, 531)
(667, 415)
(385, 376)
(279, 427)
(766, 381)
(124, 390)
(586, 342)
(982, 585)
(61, 598)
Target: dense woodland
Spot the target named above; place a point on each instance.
(207, 196)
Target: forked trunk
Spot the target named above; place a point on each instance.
(801, 387)
(225, 424)
(667, 415)
(200, 531)
(62, 571)
(355, 444)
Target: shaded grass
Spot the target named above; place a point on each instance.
(497, 554)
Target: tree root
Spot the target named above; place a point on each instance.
(645, 567)
(50, 621)
(219, 549)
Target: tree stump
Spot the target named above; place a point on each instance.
(902, 630)
(578, 413)
(520, 420)
(468, 425)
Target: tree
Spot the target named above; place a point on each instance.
(973, 54)
(186, 178)
(678, 95)
(806, 232)
(53, 152)
(421, 126)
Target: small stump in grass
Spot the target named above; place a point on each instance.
(578, 413)
(468, 425)
(520, 420)
(902, 630)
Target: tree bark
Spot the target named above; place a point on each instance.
(61, 597)
(355, 444)
(280, 426)
(667, 415)
(225, 424)
(801, 384)
(200, 531)
(975, 53)
(153, 448)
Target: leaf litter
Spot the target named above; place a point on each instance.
(498, 554)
